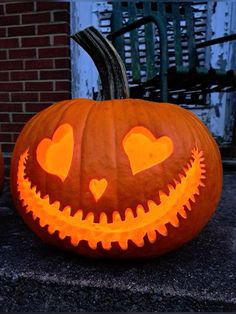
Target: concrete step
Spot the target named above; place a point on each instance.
(200, 276)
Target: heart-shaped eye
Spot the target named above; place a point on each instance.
(144, 150)
(55, 155)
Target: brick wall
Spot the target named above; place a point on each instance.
(34, 63)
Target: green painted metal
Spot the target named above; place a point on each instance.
(179, 80)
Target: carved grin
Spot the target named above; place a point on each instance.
(120, 231)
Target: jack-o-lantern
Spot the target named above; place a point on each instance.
(116, 178)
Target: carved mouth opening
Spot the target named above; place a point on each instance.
(178, 201)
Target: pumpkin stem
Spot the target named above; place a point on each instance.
(108, 62)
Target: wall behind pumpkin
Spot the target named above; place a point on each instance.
(34, 63)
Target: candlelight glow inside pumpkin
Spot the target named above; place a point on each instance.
(69, 193)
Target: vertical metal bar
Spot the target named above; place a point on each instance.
(149, 41)
(134, 43)
(193, 61)
(117, 23)
(177, 35)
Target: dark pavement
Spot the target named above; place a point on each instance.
(200, 276)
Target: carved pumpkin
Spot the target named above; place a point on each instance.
(120, 178)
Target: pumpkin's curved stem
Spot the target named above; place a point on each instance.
(108, 62)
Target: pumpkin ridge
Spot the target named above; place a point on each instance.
(105, 232)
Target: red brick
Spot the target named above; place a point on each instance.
(11, 127)
(61, 40)
(10, 20)
(2, 32)
(36, 18)
(7, 148)
(1, 9)
(55, 74)
(54, 96)
(3, 54)
(54, 52)
(38, 86)
(19, 75)
(22, 53)
(63, 85)
(11, 65)
(19, 7)
(4, 97)
(21, 30)
(21, 117)
(4, 117)
(4, 76)
(9, 86)
(10, 107)
(53, 29)
(36, 107)
(45, 6)
(61, 16)
(5, 137)
(9, 43)
(35, 41)
(62, 63)
(39, 64)
(24, 96)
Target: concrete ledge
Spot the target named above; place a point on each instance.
(201, 276)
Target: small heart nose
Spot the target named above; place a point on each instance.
(98, 187)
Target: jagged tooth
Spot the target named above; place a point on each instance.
(92, 244)
(188, 205)
(123, 244)
(152, 236)
(129, 214)
(33, 189)
(90, 217)
(176, 182)
(106, 245)
(170, 187)
(174, 221)
(140, 211)
(34, 216)
(203, 165)
(203, 171)
(162, 195)
(46, 199)
(189, 165)
(181, 176)
(202, 177)
(162, 230)
(192, 198)
(139, 241)
(116, 216)
(182, 212)
(75, 240)
(201, 184)
(103, 218)
(27, 209)
(62, 235)
(197, 191)
(42, 222)
(200, 153)
(79, 214)
(56, 205)
(67, 210)
(185, 169)
(51, 229)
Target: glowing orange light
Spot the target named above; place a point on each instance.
(144, 150)
(55, 155)
(133, 227)
(97, 187)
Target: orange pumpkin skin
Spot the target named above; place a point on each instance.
(134, 213)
